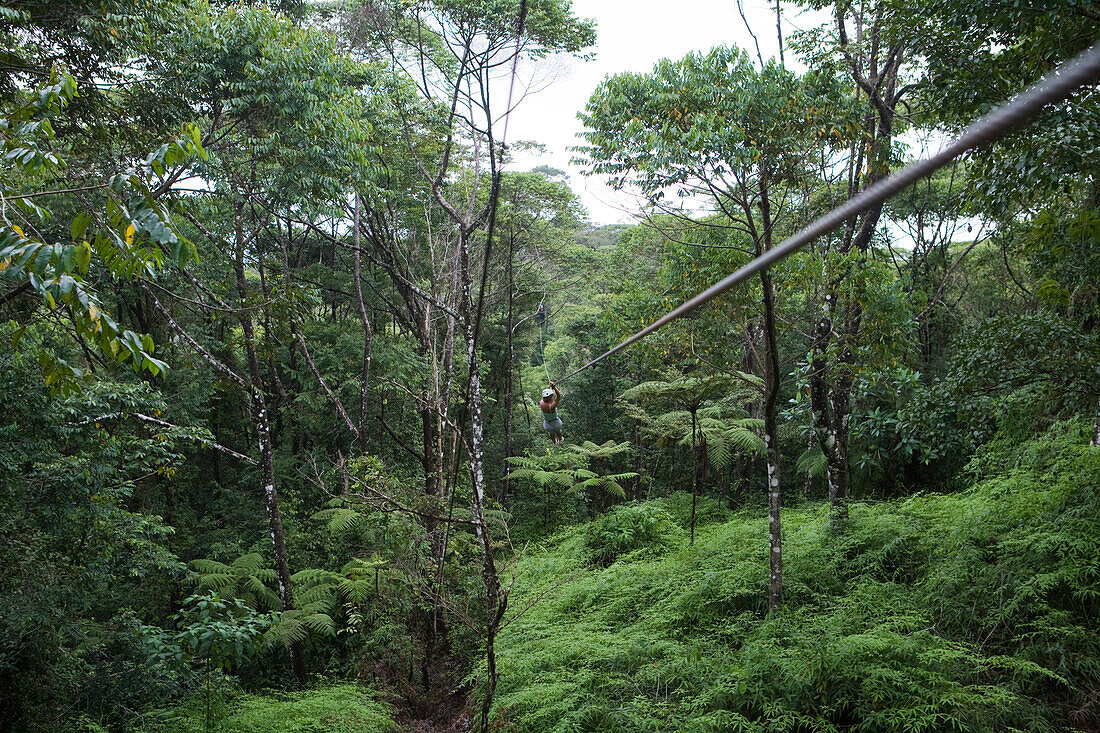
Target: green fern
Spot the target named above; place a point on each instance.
(340, 520)
(245, 578)
(569, 470)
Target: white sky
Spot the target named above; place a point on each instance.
(633, 36)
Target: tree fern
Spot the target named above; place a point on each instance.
(245, 578)
(340, 519)
(812, 461)
(569, 470)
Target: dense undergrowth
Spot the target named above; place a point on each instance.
(970, 611)
(341, 708)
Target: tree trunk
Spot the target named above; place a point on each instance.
(825, 428)
(368, 338)
(874, 69)
(779, 32)
(266, 462)
(771, 406)
(771, 445)
(808, 484)
(510, 366)
(841, 404)
(694, 473)
(1096, 427)
(494, 603)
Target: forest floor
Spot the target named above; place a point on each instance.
(955, 608)
(443, 708)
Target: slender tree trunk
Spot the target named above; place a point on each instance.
(841, 404)
(808, 483)
(694, 473)
(874, 69)
(506, 485)
(444, 460)
(261, 421)
(494, 602)
(368, 337)
(771, 407)
(637, 465)
(824, 429)
(771, 445)
(1096, 427)
(779, 32)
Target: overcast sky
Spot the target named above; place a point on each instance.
(633, 35)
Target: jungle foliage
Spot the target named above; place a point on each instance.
(277, 301)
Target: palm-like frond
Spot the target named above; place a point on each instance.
(340, 520)
(358, 578)
(526, 462)
(609, 484)
(245, 578)
(606, 450)
(315, 587)
(543, 479)
(686, 390)
(295, 626)
(746, 440)
(207, 566)
(812, 461)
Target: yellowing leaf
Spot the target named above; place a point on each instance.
(129, 235)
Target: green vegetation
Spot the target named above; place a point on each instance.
(333, 709)
(277, 301)
(969, 611)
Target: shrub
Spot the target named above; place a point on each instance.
(626, 528)
(970, 611)
(345, 708)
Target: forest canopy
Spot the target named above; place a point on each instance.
(301, 429)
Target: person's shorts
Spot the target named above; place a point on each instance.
(552, 426)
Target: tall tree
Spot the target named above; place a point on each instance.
(866, 44)
(232, 65)
(713, 125)
(449, 51)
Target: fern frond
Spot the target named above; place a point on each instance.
(720, 452)
(340, 520)
(250, 563)
(310, 577)
(543, 479)
(357, 590)
(601, 483)
(357, 566)
(207, 566)
(812, 461)
(746, 441)
(215, 581)
(525, 462)
(264, 595)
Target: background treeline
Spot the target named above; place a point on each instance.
(276, 306)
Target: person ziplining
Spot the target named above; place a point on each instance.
(551, 396)
(1083, 70)
(1056, 86)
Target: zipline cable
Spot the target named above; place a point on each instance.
(1054, 87)
(542, 355)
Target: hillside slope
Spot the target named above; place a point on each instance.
(973, 611)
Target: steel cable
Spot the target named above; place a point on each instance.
(1054, 87)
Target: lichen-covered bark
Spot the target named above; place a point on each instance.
(368, 334)
(1096, 427)
(771, 443)
(261, 422)
(494, 602)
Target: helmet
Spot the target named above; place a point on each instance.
(547, 393)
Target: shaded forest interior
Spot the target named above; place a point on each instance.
(277, 304)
